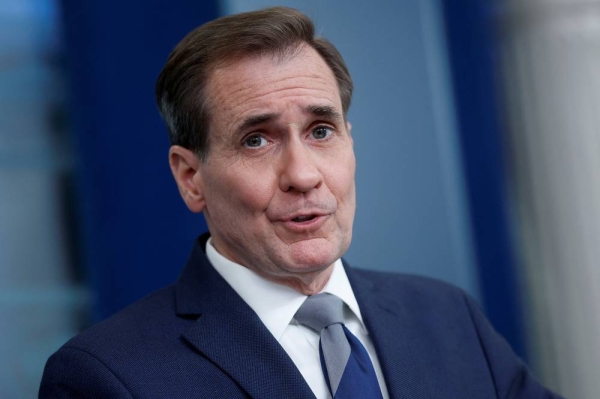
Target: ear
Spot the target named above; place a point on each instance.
(349, 129)
(185, 167)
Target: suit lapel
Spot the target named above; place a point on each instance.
(231, 335)
(401, 349)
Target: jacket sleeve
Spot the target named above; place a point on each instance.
(512, 378)
(75, 373)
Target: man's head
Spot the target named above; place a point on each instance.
(277, 185)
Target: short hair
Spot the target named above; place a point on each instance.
(181, 85)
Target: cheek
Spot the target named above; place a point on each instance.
(247, 194)
(344, 189)
(341, 180)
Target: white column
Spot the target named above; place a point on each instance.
(551, 65)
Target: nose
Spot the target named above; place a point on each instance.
(299, 171)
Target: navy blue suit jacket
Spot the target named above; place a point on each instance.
(199, 339)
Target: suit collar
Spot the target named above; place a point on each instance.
(231, 335)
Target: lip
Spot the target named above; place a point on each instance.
(305, 226)
(308, 213)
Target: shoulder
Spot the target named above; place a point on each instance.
(139, 321)
(127, 335)
(407, 286)
(431, 304)
(406, 280)
(441, 318)
(127, 353)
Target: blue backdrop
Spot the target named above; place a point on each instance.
(473, 57)
(116, 49)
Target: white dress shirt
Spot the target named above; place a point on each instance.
(276, 305)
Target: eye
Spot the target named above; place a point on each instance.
(321, 132)
(255, 141)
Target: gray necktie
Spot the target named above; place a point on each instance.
(345, 362)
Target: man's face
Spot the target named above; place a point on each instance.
(278, 185)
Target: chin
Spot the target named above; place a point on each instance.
(314, 255)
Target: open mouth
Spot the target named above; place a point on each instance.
(303, 218)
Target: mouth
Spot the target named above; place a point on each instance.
(303, 218)
(306, 222)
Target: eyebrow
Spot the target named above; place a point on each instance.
(324, 111)
(256, 120)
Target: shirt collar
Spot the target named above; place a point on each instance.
(339, 285)
(276, 304)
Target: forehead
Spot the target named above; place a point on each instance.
(271, 84)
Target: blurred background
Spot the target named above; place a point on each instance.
(476, 126)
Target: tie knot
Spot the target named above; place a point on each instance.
(320, 311)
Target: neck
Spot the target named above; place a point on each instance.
(308, 284)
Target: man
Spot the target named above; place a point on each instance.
(256, 110)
